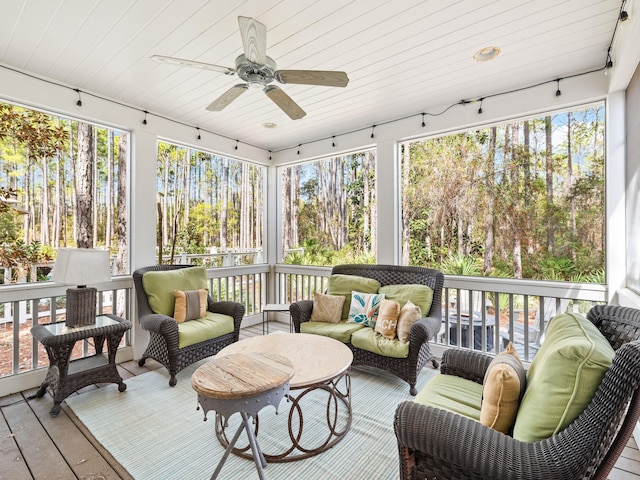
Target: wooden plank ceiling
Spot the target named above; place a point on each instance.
(402, 56)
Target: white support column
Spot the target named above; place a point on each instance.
(273, 227)
(615, 254)
(142, 218)
(387, 203)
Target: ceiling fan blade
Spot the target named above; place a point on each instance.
(192, 63)
(227, 97)
(254, 40)
(285, 102)
(327, 78)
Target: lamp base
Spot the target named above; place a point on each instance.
(81, 307)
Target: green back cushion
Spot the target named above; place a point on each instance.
(563, 377)
(340, 284)
(420, 295)
(454, 394)
(159, 286)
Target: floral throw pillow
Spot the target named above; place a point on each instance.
(364, 308)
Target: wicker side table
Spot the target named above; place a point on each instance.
(64, 376)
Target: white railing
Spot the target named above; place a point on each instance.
(499, 307)
(498, 310)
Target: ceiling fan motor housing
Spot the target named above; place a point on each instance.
(257, 76)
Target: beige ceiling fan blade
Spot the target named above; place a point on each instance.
(181, 62)
(227, 97)
(327, 78)
(254, 40)
(285, 102)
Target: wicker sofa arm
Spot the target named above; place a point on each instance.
(424, 330)
(300, 312)
(468, 364)
(452, 443)
(158, 323)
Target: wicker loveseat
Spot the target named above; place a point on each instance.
(437, 443)
(425, 329)
(220, 328)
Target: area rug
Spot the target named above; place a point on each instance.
(155, 432)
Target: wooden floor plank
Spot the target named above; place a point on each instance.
(39, 452)
(81, 456)
(12, 464)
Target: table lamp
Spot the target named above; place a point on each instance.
(81, 266)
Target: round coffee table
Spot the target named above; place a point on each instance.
(321, 364)
(242, 383)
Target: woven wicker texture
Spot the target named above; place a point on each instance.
(434, 444)
(422, 331)
(163, 341)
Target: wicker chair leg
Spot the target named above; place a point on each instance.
(412, 389)
(435, 364)
(142, 361)
(173, 380)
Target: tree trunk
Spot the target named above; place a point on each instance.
(406, 217)
(491, 201)
(286, 209)
(549, 182)
(570, 181)
(295, 199)
(225, 202)
(109, 201)
(84, 185)
(122, 266)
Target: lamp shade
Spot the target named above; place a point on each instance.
(81, 266)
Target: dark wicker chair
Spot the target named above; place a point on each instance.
(422, 331)
(163, 343)
(434, 444)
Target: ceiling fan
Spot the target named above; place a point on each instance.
(259, 71)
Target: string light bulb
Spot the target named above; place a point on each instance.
(373, 128)
(624, 16)
(333, 141)
(236, 147)
(79, 102)
(269, 154)
(423, 122)
(199, 137)
(299, 148)
(558, 92)
(480, 109)
(144, 120)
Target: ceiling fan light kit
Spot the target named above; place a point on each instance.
(259, 71)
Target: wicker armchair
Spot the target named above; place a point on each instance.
(435, 444)
(163, 342)
(422, 331)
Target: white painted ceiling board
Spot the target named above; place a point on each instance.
(402, 56)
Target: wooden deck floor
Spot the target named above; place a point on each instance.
(34, 445)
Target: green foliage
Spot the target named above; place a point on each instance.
(457, 264)
(546, 217)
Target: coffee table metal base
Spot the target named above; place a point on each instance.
(338, 406)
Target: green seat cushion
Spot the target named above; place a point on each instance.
(563, 377)
(341, 331)
(159, 286)
(452, 393)
(340, 284)
(213, 325)
(420, 295)
(371, 341)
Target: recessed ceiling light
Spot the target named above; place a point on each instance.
(269, 125)
(485, 54)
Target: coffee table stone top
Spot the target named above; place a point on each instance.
(315, 358)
